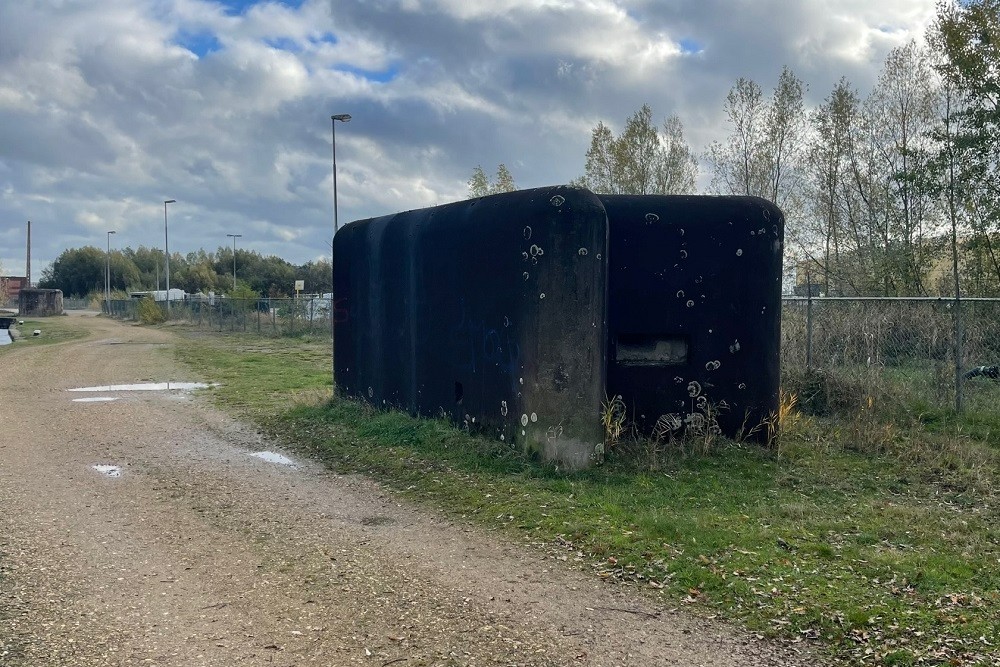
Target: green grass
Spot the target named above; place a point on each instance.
(879, 555)
(54, 330)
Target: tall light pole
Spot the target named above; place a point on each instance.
(235, 236)
(166, 248)
(343, 118)
(107, 277)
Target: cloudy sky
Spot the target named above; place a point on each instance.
(109, 107)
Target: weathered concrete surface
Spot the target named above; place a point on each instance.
(40, 302)
(491, 311)
(200, 554)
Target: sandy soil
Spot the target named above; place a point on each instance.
(201, 554)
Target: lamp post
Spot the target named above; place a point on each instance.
(343, 118)
(107, 277)
(235, 236)
(166, 248)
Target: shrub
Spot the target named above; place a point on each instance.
(149, 312)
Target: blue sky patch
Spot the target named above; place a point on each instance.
(284, 44)
(240, 7)
(690, 46)
(292, 46)
(325, 38)
(200, 43)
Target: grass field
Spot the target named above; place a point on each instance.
(873, 536)
(53, 330)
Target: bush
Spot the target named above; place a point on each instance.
(149, 312)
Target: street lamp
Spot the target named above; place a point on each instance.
(343, 118)
(235, 236)
(107, 278)
(166, 248)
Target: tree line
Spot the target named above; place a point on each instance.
(79, 272)
(643, 159)
(894, 192)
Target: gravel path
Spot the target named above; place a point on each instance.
(201, 554)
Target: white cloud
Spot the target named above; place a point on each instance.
(91, 220)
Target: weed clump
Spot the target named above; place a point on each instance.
(149, 312)
(824, 394)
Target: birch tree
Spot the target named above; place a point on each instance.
(763, 154)
(904, 109)
(643, 159)
(965, 38)
(828, 166)
(481, 185)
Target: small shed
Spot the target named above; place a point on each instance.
(40, 302)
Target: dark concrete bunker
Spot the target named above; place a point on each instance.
(520, 314)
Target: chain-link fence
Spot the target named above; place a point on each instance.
(846, 354)
(838, 354)
(267, 317)
(77, 304)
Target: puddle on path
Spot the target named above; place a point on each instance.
(150, 386)
(110, 471)
(274, 457)
(95, 399)
(5, 338)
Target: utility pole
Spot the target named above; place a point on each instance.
(234, 237)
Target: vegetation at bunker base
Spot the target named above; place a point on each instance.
(877, 549)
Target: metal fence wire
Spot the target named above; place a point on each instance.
(848, 353)
(266, 316)
(838, 354)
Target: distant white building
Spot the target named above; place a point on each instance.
(317, 307)
(172, 294)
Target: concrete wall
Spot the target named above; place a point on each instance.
(695, 309)
(490, 311)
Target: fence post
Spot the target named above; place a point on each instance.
(959, 353)
(809, 323)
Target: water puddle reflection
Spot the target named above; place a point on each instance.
(274, 457)
(110, 471)
(95, 399)
(150, 386)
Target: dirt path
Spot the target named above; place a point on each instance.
(200, 554)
